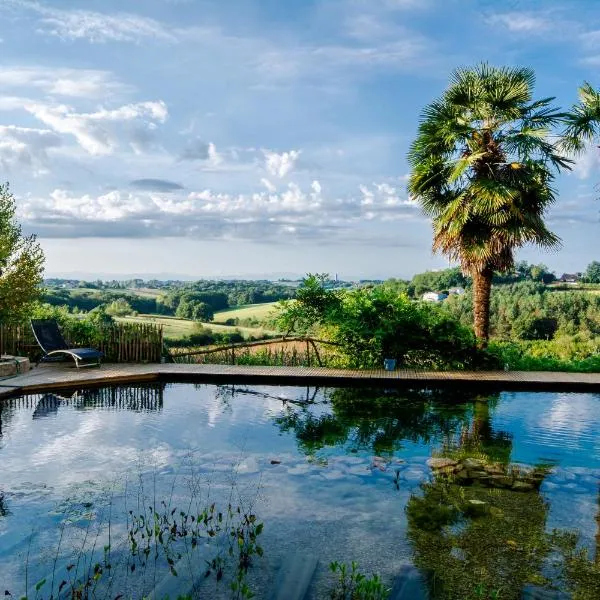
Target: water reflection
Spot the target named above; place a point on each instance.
(381, 422)
(478, 542)
(478, 523)
(146, 398)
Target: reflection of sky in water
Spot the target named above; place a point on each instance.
(559, 427)
(334, 503)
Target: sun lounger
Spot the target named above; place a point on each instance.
(53, 344)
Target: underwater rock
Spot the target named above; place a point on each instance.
(441, 463)
(522, 486)
(473, 463)
(469, 471)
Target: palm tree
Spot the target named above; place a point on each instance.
(583, 122)
(482, 168)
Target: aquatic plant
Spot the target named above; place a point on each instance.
(351, 584)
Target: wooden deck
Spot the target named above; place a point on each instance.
(53, 377)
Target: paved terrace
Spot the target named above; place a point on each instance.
(56, 377)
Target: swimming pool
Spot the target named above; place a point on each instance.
(89, 480)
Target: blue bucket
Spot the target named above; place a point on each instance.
(389, 364)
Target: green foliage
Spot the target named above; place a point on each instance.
(119, 308)
(530, 307)
(566, 353)
(351, 584)
(21, 264)
(205, 337)
(370, 324)
(534, 328)
(592, 273)
(191, 306)
(312, 306)
(583, 122)
(436, 281)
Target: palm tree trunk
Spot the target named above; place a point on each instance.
(482, 287)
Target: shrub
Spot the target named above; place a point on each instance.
(370, 324)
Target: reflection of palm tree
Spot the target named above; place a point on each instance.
(480, 438)
(476, 542)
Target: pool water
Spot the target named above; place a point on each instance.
(89, 477)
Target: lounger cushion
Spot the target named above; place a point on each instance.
(83, 353)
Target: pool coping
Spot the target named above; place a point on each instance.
(56, 377)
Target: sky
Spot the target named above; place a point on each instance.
(207, 138)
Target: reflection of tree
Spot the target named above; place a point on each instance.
(477, 542)
(378, 420)
(480, 438)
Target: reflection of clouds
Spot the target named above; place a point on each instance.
(222, 445)
(561, 427)
(576, 417)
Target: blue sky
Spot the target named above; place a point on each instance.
(232, 137)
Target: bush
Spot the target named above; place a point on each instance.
(119, 308)
(580, 354)
(370, 324)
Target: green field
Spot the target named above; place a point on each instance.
(175, 328)
(260, 312)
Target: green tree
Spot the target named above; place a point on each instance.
(592, 273)
(482, 168)
(190, 308)
(583, 122)
(119, 308)
(21, 263)
(436, 281)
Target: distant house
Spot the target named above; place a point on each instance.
(569, 278)
(456, 291)
(433, 297)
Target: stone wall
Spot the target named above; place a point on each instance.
(469, 471)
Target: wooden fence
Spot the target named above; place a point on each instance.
(288, 351)
(120, 342)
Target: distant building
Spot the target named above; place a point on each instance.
(456, 291)
(433, 297)
(569, 278)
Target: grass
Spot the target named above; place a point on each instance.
(175, 328)
(258, 312)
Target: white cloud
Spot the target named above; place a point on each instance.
(82, 83)
(522, 22)
(261, 215)
(91, 25)
(101, 132)
(588, 162)
(384, 201)
(214, 158)
(279, 165)
(22, 146)
(336, 61)
(270, 187)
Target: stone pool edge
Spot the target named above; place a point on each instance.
(56, 377)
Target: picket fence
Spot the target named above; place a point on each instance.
(120, 342)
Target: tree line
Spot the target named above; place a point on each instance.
(197, 301)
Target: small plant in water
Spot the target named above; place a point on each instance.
(351, 584)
